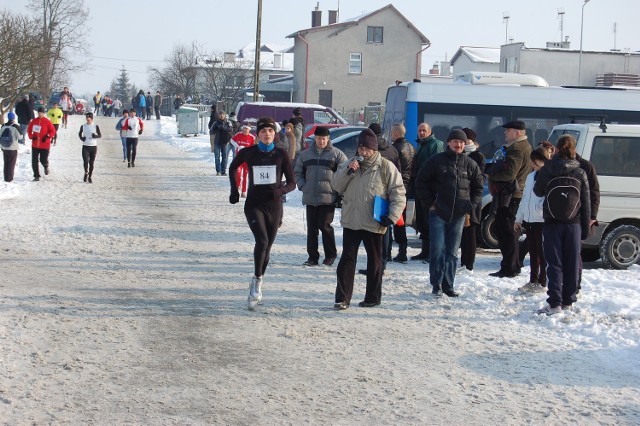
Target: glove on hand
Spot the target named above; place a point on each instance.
(139, 132)
(83, 139)
(94, 136)
(129, 128)
(385, 221)
(44, 138)
(234, 197)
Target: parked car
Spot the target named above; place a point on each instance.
(334, 133)
(347, 142)
(249, 112)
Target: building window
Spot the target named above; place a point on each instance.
(277, 60)
(355, 63)
(374, 34)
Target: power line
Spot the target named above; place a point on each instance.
(127, 60)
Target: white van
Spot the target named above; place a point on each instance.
(614, 151)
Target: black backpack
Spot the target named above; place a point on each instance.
(563, 198)
(6, 139)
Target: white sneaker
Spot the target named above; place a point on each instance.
(549, 310)
(532, 288)
(255, 292)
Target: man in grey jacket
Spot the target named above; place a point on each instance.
(314, 169)
(364, 178)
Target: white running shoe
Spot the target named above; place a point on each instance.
(255, 292)
(548, 310)
(533, 288)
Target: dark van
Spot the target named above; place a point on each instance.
(249, 112)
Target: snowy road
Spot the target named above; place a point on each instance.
(123, 302)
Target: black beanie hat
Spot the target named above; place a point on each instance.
(375, 127)
(457, 134)
(470, 133)
(368, 139)
(321, 131)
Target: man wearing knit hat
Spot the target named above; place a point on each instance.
(366, 176)
(448, 186)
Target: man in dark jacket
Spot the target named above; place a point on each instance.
(507, 175)
(406, 152)
(448, 186)
(428, 146)
(25, 115)
(220, 132)
(157, 103)
(314, 169)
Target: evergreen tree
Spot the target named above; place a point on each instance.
(120, 87)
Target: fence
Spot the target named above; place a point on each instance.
(363, 116)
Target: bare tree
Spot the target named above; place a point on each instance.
(20, 67)
(59, 21)
(224, 78)
(179, 75)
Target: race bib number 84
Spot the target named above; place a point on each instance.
(264, 175)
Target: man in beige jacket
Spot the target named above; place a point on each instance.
(366, 176)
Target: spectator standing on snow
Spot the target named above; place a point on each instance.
(157, 103)
(123, 137)
(428, 146)
(55, 115)
(89, 134)
(566, 223)
(449, 185)
(366, 176)
(468, 244)
(149, 105)
(40, 131)
(263, 207)
(530, 217)
(220, 134)
(314, 169)
(133, 127)
(25, 114)
(243, 139)
(406, 154)
(10, 134)
(141, 102)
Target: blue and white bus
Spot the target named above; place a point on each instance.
(485, 108)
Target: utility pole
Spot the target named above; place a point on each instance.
(561, 17)
(256, 64)
(505, 20)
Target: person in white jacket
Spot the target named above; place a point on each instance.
(131, 129)
(529, 216)
(89, 134)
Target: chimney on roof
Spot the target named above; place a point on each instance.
(316, 16)
(333, 17)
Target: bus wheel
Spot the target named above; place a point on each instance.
(621, 247)
(488, 232)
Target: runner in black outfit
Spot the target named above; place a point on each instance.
(263, 207)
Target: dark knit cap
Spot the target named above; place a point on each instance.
(297, 111)
(264, 122)
(375, 127)
(41, 109)
(457, 134)
(368, 139)
(516, 124)
(321, 131)
(470, 133)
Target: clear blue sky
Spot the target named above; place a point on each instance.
(141, 33)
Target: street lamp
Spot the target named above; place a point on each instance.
(580, 56)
